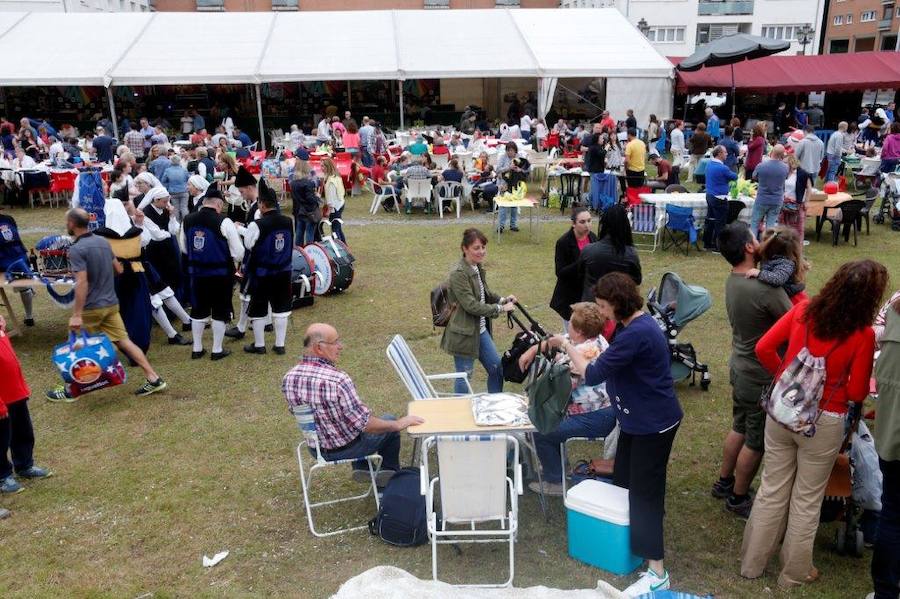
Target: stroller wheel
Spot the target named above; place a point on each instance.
(857, 543)
(878, 219)
(840, 538)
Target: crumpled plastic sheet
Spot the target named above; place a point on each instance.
(500, 409)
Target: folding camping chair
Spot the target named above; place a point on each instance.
(679, 219)
(473, 491)
(310, 442)
(644, 223)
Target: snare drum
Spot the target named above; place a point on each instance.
(333, 265)
(302, 278)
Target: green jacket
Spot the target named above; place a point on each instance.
(461, 334)
(887, 373)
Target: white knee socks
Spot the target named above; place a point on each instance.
(197, 327)
(159, 315)
(218, 331)
(175, 306)
(28, 302)
(243, 318)
(259, 332)
(280, 321)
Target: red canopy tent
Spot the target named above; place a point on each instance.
(787, 74)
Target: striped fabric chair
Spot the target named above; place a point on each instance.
(310, 443)
(413, 376)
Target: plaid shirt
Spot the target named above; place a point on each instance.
(135, 142)
(339, 414)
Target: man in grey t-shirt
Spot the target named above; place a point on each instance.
(752, 307)
(771, 175)
(96, 304)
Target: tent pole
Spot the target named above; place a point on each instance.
(733, 97)
(349, 97)
(262, 130)
(112, 112)
(400, 86)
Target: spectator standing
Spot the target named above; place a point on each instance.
(334, 193)
(159, 162)
(104, 145)
(305, 202)
(732, 149)
(834, 150)
(595, 164)
(635, 159)
(187, 125)
(890, 149)
(717, 178)
(652, 130)
(677, 147)
(770, 175)
(837, 325)
(713, 125)
(800, 115)
(569, 288)
(367, 142)
(816, 116)
(752, 308)
(525, 124)
(147, 132)
(508, 170)
(700, 143)
(630, 120)
(613, 251)
(135, 142)
(809, 152)
(175, 179)
(199, 123)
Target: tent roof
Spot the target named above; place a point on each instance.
(787, 74)
(247, 47)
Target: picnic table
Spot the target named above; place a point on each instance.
(531, 203)
(13, 324)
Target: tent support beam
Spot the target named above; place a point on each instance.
(400, 87)
(733, 98)
(262, 129)
(112, 112)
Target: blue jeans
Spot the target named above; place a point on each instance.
(767, 212)
(595, 425)
(367, 159)
(335, 226)
(886, 556)
(487, 355)
(387, 445)
(511, 214)
(526, 135)
(716, 215)
(304, 231)
(833, 163)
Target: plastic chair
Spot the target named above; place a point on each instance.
(570, 189)
(61, 183)
(380, 193)
(474, 489)
(441, 161)
(847, 217)
(676, 188)
(307, 424)
(871, 197)
(735, 207)
(419, 189)
(679, 219)
(448, 191)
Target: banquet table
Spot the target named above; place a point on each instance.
(695, 201)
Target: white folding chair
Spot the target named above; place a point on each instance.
(310, 442)
(448, 191)
(381, 193)
(609, 451)
(442, 161)
(645, 223)
(475, 490)
(465, 159)
(419, 189)
(413, 375)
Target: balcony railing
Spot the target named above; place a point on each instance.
(507, 4)
(734, 7)
(285, 4)
(210, 5)
(437, 4)
(885, 24)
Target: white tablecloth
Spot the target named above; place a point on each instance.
(695, 201)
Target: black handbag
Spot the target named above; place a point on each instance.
(527, 337)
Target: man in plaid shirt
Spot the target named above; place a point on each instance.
(345, 425)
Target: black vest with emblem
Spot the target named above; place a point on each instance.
(272, 252)
(162, 253)
(207, 248)
(11, 248)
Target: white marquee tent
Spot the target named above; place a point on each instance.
(110, 49)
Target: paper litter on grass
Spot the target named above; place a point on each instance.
(387, 582)
(209, 563)
(495, 409)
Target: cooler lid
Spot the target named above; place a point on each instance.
(600, 500)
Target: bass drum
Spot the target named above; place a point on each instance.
(302, 279)
(333, 265)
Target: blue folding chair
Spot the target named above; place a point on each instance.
(679, 220)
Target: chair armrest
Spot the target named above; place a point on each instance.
(447, 376)
(423, 480)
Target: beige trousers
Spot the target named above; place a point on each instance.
(795, 472)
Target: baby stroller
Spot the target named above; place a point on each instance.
(890, 201)
(673, 305)
(528, 336)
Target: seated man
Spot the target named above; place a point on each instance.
(589, 413)
(345, 425)
(665, 174)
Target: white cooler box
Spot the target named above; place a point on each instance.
(597, 516)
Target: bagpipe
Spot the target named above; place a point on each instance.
(50, 266)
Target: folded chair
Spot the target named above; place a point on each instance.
(474, 491)
(679, 220)
(307, 424)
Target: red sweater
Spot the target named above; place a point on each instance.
(13, 387)
(854, 354)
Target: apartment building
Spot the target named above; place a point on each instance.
(860, 25)
(266, 5)
(677, 27)
(75, 5)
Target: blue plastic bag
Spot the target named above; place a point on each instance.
(88, 363)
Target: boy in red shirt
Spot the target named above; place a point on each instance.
(16, 432)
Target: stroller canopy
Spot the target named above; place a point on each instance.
(682, 302)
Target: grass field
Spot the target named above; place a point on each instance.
(144, 487)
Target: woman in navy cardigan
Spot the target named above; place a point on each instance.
(717, 177)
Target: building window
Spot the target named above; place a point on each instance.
(666, 35)
(707, 32)
(849, 19)
(838, 20)
(839, 46)
(866, 16)
(781, 32)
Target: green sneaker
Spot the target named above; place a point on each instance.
(59, 395)
(147, 388)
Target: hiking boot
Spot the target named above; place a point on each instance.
(35, 472)
(10, 486)
(59, 395)
(151, 387)
(722, 488)
(234, 333)
(649, 582)
(741, 507)
(252, 349)
(178, 340)
(550, 489)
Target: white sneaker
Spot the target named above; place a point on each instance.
(649, 582)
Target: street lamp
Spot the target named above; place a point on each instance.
(805, 35)
(643, 26)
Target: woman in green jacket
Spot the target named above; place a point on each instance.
(468, 334)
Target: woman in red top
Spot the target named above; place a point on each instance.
(755, 149)
(351, 139)
(835, 324)
(16, 432)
